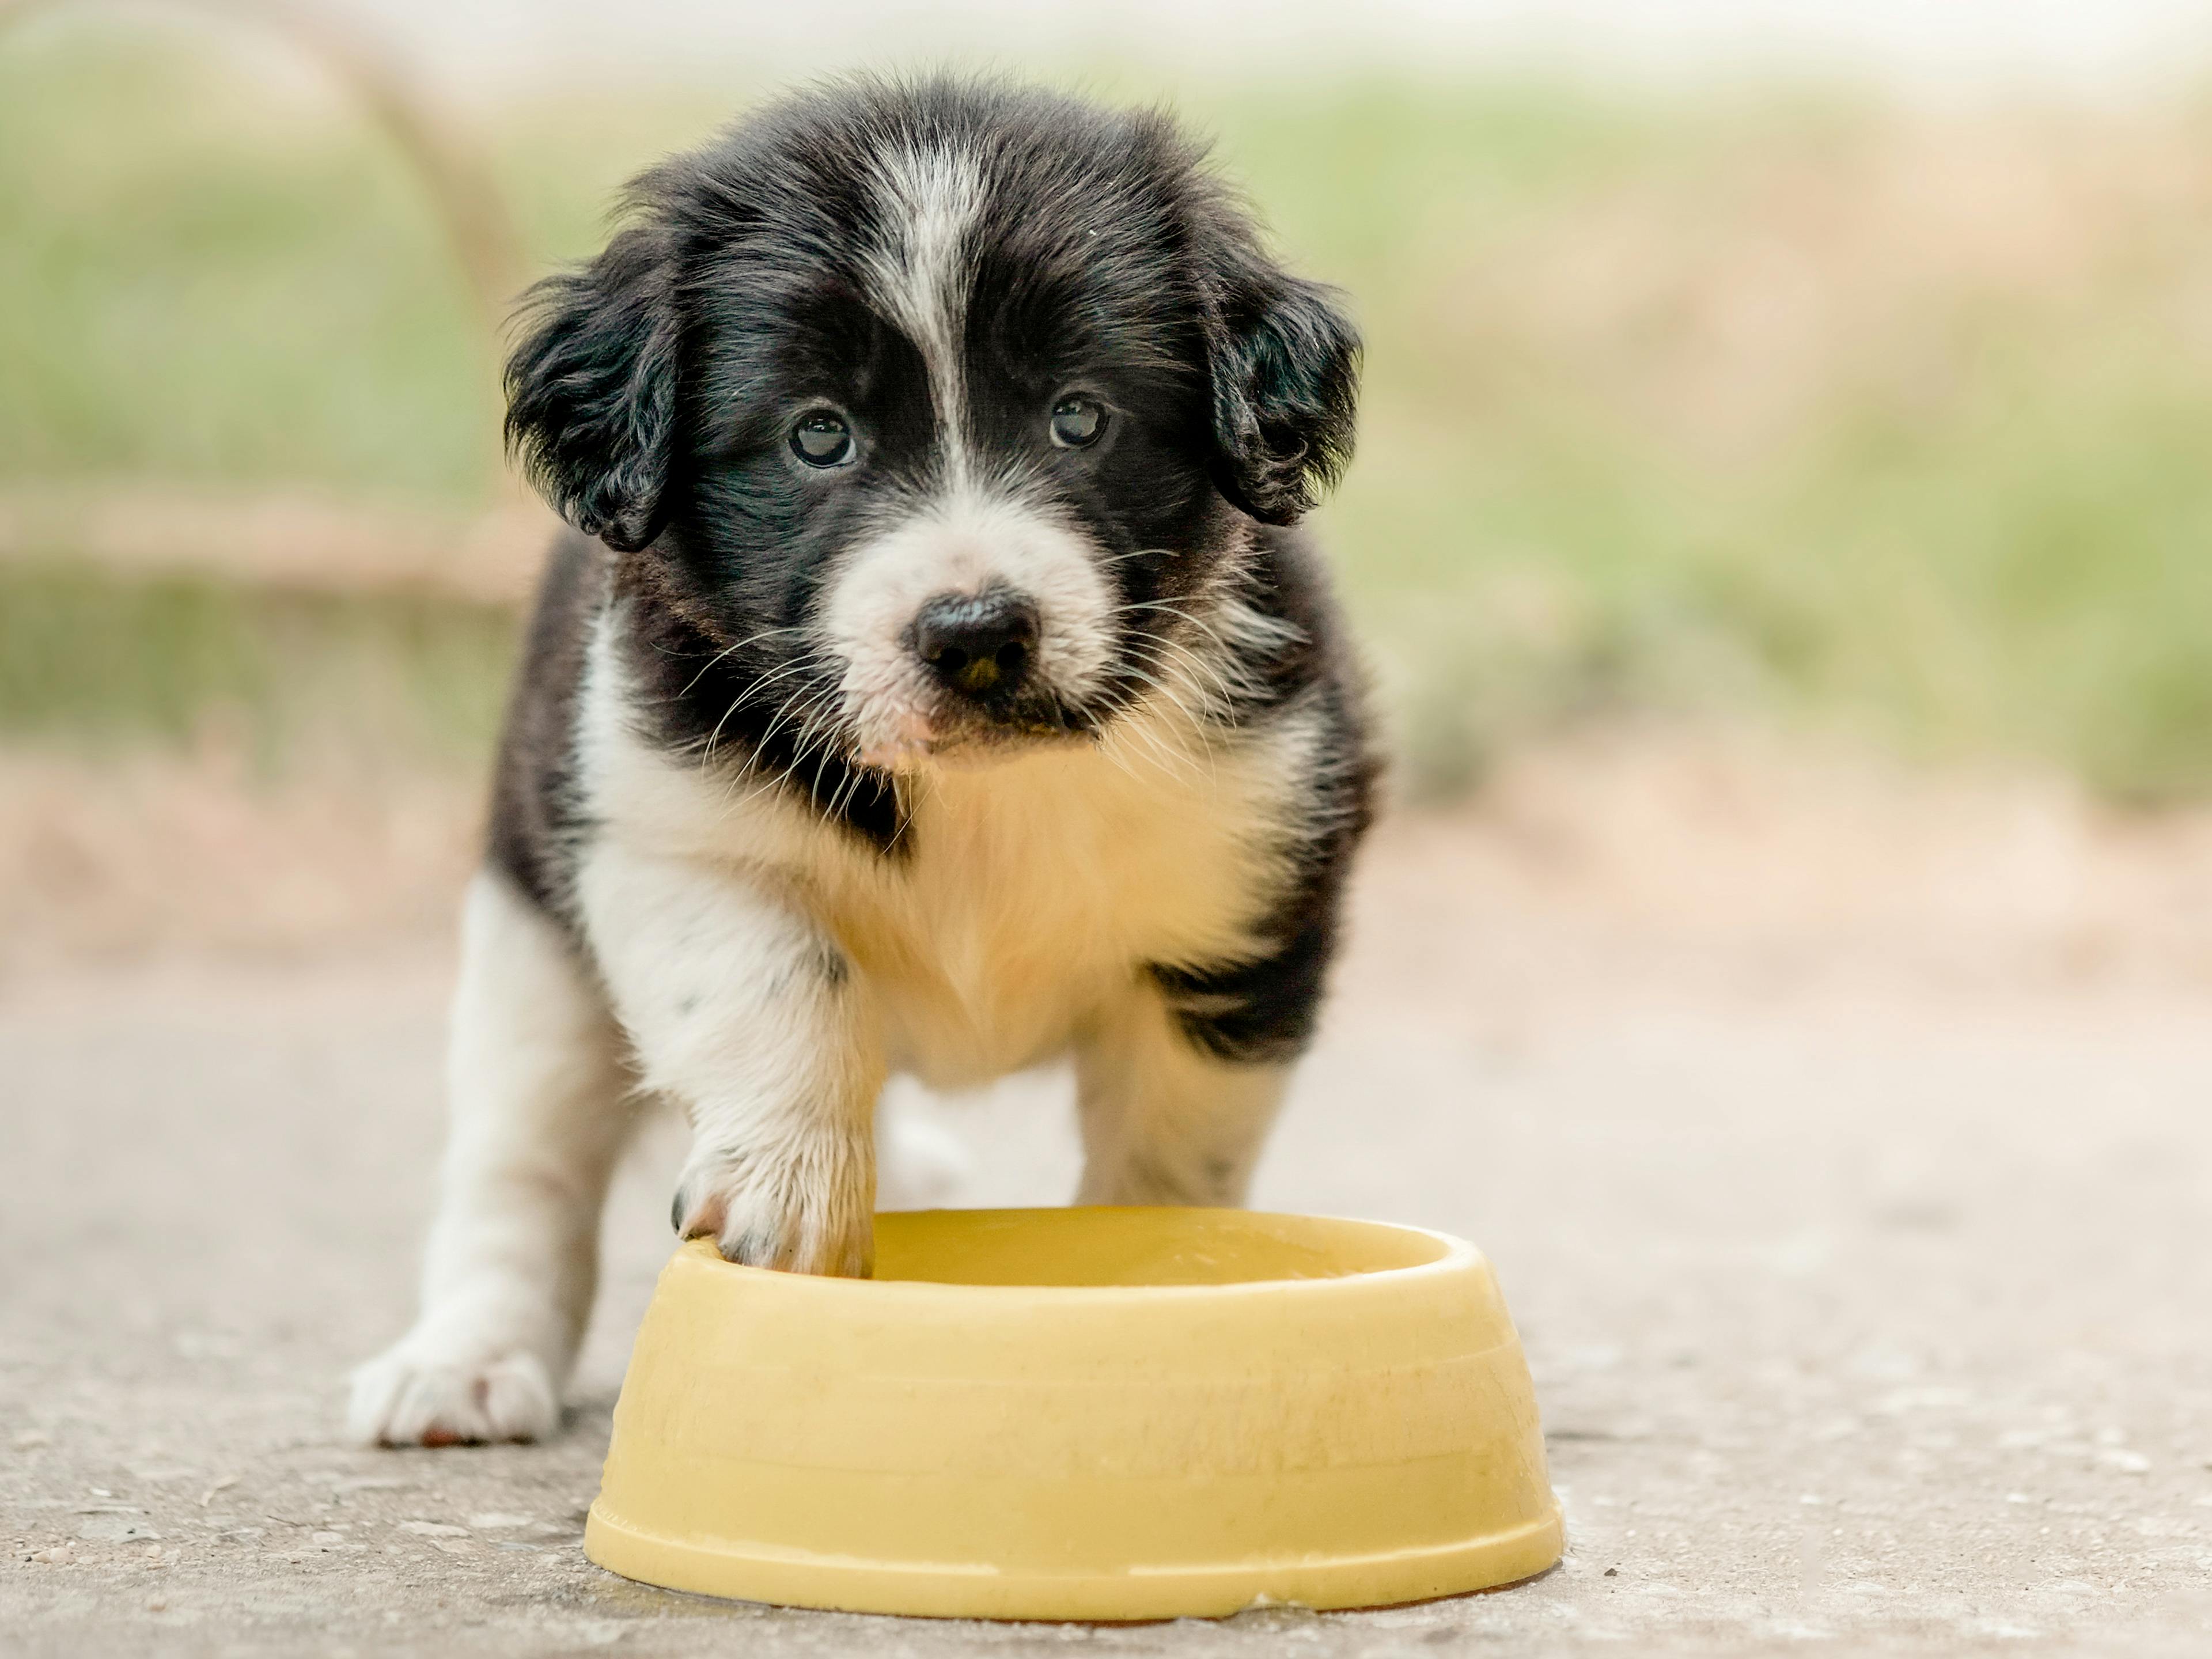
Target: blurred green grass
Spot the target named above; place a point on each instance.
(1789, 404)
(272, 677)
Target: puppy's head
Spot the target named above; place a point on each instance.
(933, 409)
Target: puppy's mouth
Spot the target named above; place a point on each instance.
(960, 734)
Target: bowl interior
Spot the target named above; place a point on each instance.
(1132, 1248)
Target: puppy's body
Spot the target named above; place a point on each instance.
(942, 694)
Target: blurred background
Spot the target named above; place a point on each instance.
(1780, 528)
(1830, 380)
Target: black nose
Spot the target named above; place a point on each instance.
(979, 643)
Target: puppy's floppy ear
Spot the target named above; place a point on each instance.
(1286, 370)
(591, 390)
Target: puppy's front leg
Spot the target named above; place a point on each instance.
(744, 1011)
(1165, 1120)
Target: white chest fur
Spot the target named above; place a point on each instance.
(1028, 894)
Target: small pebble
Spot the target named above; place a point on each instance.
(61, 1555)
(158, 1604)
(31, 1440)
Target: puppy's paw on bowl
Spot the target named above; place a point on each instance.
(795, 1216)
(410, 1397)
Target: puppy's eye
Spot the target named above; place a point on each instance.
(822, 438)
(1077, 422)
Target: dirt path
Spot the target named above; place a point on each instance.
(1855, 1216)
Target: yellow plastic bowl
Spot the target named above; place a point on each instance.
(1083, 1413)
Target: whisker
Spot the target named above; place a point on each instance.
(750, 639)
(745, 696)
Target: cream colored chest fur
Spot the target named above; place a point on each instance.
(1031, 893)
(1036, 890)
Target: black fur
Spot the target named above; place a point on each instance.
(1265, 1008)
(536, 815)
(591, 389)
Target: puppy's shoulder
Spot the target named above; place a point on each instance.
(536, 809)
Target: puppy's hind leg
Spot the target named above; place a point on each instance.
(539, 1098)
(1165, 1120)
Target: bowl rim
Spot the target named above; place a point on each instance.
(1456, 1256)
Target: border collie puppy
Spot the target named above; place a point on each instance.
(934, 682)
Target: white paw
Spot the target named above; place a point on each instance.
(809, 1213)
(414, 1396)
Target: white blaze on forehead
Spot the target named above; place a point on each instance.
(971, 531)
(962, 543)
(919, 273)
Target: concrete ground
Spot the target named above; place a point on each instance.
(1856, 1212)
